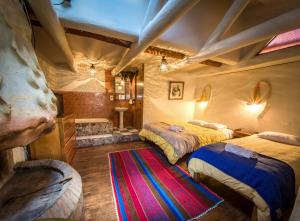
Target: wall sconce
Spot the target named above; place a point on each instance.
(164, 66)
(261, 94)
(205, 97)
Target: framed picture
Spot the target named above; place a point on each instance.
(176, 89)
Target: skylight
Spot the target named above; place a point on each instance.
(284, 40)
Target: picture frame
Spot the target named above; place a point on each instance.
(176, 90)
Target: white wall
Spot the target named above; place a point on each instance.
(157, 107)
(230, 93)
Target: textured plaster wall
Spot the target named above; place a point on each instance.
(82, 80)
(27, 107)
(230, 93)
(157, 107)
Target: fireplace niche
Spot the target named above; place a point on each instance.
(29, 190)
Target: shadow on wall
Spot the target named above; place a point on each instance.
(230, 94)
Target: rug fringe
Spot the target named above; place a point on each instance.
(112, 188)
(208, 210)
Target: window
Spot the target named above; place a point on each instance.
(284, 40)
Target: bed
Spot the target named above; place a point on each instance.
(214, 162)
(176, 145)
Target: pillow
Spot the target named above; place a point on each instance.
(215, 126)
(198, 122)
(280, 137)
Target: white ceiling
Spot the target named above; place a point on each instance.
(125, 18)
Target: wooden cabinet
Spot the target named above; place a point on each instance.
(59, 144)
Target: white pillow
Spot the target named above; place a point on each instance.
(280, 137)
(215, 126)
(198, 122)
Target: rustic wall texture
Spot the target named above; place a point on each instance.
(27, 105)
(230, 93)
(157, 107)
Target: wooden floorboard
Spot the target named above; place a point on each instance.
(92, 165)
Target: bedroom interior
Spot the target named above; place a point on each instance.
(149, 110)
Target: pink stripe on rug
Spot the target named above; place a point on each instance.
(113, 180)
(171, 175)
(140, 212)
(142, 188)
(190, 205)
(119, 174)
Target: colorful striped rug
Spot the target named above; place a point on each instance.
(147, 187)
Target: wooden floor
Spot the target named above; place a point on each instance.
(92, 165)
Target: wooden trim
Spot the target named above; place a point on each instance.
(211, 63)
(171, 82)
(100, 37)
(164, 52)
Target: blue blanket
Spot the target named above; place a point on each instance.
(274, 180)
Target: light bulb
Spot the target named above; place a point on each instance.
(255, 107)
(92, 69)
(164, 66)
(203, 104)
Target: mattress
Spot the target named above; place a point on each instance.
(205, 136)
(287, 153)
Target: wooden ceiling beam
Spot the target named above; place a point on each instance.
(263, 31)
(253, 50)
(225, 24)
(228, 20)
(156, 51)
(170, 12)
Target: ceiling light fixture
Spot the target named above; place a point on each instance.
(92, 69)
(164, 66)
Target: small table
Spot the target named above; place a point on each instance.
(238, 133)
